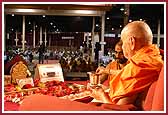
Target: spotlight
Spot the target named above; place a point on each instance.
(130, 20)
(122, 9)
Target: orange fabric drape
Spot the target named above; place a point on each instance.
(113, 65)
(143, 69)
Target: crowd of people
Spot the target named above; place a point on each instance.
(77, 62)
(70, 60)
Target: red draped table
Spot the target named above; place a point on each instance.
(10, 106)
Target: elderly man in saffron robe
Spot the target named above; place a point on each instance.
(145, 63)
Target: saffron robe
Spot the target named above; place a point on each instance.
(141, 71)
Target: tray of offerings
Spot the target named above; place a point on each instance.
(59, 89)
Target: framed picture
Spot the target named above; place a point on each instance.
(49, 72)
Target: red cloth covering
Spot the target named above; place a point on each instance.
(10, 106)
(158, 98)
(51, 103)
(155, 97)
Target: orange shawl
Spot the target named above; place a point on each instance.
(115, 65)
(143, 69)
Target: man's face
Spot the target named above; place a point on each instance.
(125, 47)
(119, 57)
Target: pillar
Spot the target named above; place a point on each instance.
(126, 12)
(41, 35)
(158, 34)
(23, 34)
(93, 43)
(49, 44)
(16, 39)
(34, 35)
(45, 39)
(102, 33)
(87, 40)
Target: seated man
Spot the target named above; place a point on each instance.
(145, 63)
(119, 60)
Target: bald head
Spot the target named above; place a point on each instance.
(140, 31)
(134, 36)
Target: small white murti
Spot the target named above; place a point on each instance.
(24, 81)
(49, 72)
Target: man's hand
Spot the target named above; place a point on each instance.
(99, 94)
(101, 70)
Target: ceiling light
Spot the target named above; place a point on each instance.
(108, 18)
(51, 23)
(130, 20)
(120, 26)
(13, 14)
(122, 9)
(54, 26)
(29, 22)
(26, 10)
(43, 16)
(112, 28)
(97, 25)
(83, 11)
(36, 26)
(140, 19)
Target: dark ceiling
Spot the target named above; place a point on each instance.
(151, 13)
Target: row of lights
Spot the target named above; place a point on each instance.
(51, 23)
(57, 31)
(122, 9)
(129, 20)
(36, 25)
(42, 16)
(139, 20)
(97, 25)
